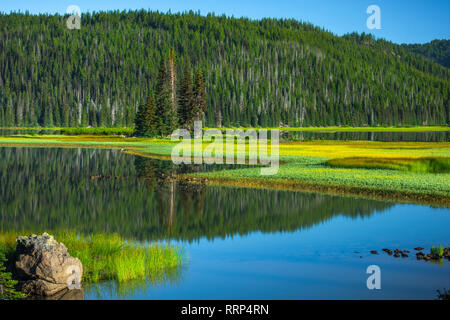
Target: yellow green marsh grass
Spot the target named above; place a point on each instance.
(423, 165)
(110, 257)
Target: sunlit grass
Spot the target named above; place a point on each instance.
(98, 131)
(421, 165)
(438, 251)
(110, 257)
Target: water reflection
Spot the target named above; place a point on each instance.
(107, 191)
(437, 136)
(66, 294)
(121, 290)
(432, 136)
(267, 244)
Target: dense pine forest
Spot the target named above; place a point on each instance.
(436, 50)
(268, 72)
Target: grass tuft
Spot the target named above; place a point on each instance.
(110, 257)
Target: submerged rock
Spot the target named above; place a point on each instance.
(44, 267)
(374, 252)
(65, 294)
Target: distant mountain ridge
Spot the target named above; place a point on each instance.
(436, 50)
(259, 73)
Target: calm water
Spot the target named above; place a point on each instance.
(240, 243)
(435, 136)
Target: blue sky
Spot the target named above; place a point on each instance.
(402, 21)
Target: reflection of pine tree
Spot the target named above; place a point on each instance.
(192, 198)
(159, 177)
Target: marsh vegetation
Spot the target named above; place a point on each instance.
(110, 257)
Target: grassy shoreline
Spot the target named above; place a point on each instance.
(303, 166)
(306, 186)
(109, 256)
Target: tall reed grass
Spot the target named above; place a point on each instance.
(110, 257)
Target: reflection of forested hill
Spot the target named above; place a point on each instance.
(100, 190)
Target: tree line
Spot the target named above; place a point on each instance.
(172, 106)
(268, 72)
(436, 50)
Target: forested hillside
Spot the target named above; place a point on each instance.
(257, 73)
(436, 50)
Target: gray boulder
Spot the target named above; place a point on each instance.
(44, 267)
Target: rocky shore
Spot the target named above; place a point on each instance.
(45, 268)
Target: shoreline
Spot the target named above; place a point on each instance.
(301, 166)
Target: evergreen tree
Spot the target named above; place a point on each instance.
(146, 124)
(166, 106)
(140, 125)
(172, 109)
(162, 98)
(186, 98)
(199, 97)
(7, 284)
(283, 70)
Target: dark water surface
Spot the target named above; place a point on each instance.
(240, 243)
(431, 136)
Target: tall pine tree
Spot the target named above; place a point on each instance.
(186, 98)
(166, 106)
(146, 122)
(199, 108)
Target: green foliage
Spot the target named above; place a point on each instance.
(256, 72)
(436, 50)
(166, 112)
(99, 131)
(146, 122)
(419, 165)
(200, 105)
(186, 98)
(439, 251)
(7, 291)
(108, 256)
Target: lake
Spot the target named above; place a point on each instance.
(239, 243)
